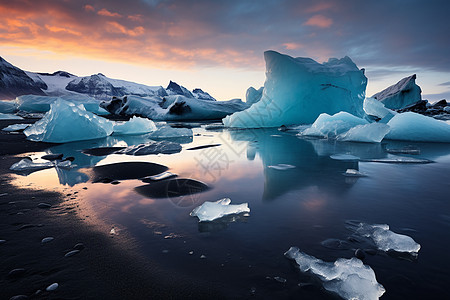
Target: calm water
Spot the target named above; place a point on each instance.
(302, 207)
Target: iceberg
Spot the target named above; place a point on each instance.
(135, 125)
(281, 167)
(7, 107)
(170, 132)
(253, 95)
(67, 122)
(210, 211)
(373, 107)
(349, 278)
(16, 127)
(400, 95)
(411, 126)
(370, 133)
(9, 117)
(298, 90)
(385, 239)
(331, 126)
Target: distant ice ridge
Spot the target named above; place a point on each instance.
(210, 211)
(298, 90)
(387, 240)
(400, 95)
(349, 278)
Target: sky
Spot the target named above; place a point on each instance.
(218, 45)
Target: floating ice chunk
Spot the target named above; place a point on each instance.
(27, 165)
(297, 90)
(395, 159)
(162, 176)
(400, 95)
(135, 125)
(370, 133)
(375, 108)
(281, 167)
(67, 122)
(210, 211)
(405, 150)
(16, 127)
(410, 126)
(170, 132)
(331, 126)
(9, 117)
(345, 157)
(354, 173)
(164, 147)
(349, 278)
(387, 240)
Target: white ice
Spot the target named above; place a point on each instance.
(410, 126)
(16, 127)
(387, 240)
(9, 117)
(170, 132)
(253, 95)
(210, 211)
(369, 133)
(27, 164)
(67, 122)
(354, 173)
(400, 95)
(375, 108)
(297, 90)
(349, 278)
(135, 125)
(281, 167)
(345, 157)
(331, 126)
(153, 147)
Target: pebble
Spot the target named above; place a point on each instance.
(360, 254)
(52, 287)
(79, 246)
(18, 297)
(44, 205)
(202, 256)
(191, 252)
(71, 253)
(47, 239)
(16, 272)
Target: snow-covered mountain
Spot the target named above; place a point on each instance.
(16, 82)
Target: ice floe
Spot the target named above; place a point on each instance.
(349, 278)
(9, 117)
(281, 167)
(16, 127)
(354, 173)
(135, 125)
(370, 133)
(153, 147)
(331, 126)
(210, 211)
(170, 132)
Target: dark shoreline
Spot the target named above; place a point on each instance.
(107, 268)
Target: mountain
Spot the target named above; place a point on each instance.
(15, 82)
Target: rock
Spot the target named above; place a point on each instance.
(52, 287)
(440, 104)
(71, 253)
(47, 239)
(360, 254)
(44, 205)
(400, 95)
(16, 273)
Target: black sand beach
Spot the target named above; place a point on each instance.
(105, 267)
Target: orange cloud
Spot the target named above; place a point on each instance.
(118, 28)
(88, 7)
(319, 21)
(106, 13)
(292, 46)
(61, 29)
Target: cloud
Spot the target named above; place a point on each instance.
(319, 21)
(292, 46)
(106, 13)
(88, 7)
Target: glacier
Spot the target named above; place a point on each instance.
(298, 90)
(210, 211)
(400, 95)
(349, 278)
(67, 122)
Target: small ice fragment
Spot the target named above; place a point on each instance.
(394, 159)
(113, 231)
(135, 125)
(354, 173)
(202, 256)
(16, 127)
(3, 194)
(349, 278)
(344, 157)
(72, 253)
(280, 279)
(52, 287)
(210, 211)
(191, 252)
(158, 177)
(281, 167)
(47, 239)
(405, 150)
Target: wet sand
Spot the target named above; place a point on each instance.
(106, 267)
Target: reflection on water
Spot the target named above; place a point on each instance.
(301, 206)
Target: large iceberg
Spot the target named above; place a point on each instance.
(331, 126)
(410, 126)
(210, 211)
(400, 95)
(67, 122)
(298, 90)
(349, 278)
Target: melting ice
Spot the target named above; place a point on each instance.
(210, 211)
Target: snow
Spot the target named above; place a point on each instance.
(349, 278)
(200, 94)
(298, 90)
(170, 132)
(7, 107)
(387, 240)
(153, 147)
(331, 126)
(56, 83)
(27, 164)
(253, 95)
(370, 133)
(9, 117)
(373, 107)
(34, 103)
(411, 126)
(67, 122)
(135, 125)
(400, 95)
(210, 211)
(16, 127)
